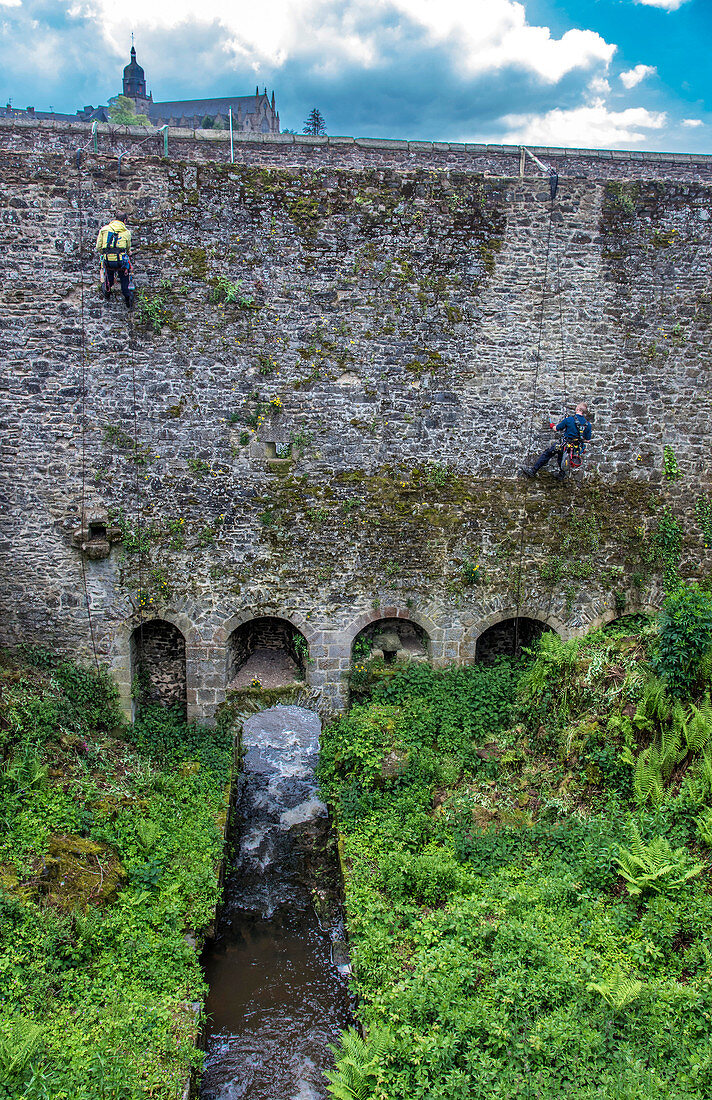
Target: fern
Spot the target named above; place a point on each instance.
(648, 778)
(656, 867)
(704, 828)
(699, 780)
(698, 728)
(670, 741)
(147, 832)
(706, 666)
(617, 991)
(655, 705)
(357, 1065)
(552, 674)
(19, 1042)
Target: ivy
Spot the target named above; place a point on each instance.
(703, 511)
(670, 467)
(667, 548)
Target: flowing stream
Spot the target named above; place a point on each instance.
(277, 965)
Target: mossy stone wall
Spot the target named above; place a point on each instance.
(320, 406)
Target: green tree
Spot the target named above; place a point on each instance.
(315, 123)
(122, 111)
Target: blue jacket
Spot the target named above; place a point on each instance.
(575, 427)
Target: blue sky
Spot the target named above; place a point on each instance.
(628, 74)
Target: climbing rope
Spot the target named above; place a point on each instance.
(523, 525)
(562, 355)
(83, 388)
(139, 527)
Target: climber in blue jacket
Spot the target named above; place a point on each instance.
(575, 430)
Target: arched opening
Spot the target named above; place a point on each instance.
(268, 650)
(158, 665)
(392, 640)
(626, 625)
(508, 638)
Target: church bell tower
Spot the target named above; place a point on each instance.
(135, 84)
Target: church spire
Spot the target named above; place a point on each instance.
(134, 77)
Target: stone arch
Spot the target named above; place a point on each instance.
(427, 625)
(611, 616)
(269, 648)
(500, 632)
(122, 656)
(391, 638)
(298, 695)
(158, 663)
(226, 628)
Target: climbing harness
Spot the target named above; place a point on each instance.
(571, 451)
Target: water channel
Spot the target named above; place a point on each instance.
(276, 968)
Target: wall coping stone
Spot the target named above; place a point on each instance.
(472, 148)
(381, 143)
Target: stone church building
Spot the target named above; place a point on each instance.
(252, 113)
(255, 114)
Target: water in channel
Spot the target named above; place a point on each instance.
(276, 968)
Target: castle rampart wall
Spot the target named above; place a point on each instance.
(343, 352)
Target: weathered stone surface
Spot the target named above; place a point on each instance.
(397, 335)
(80, 872)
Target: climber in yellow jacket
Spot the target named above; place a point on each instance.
(114, 246)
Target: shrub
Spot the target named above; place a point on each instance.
(685, 639)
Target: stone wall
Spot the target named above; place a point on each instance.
(262, 633)
(158, 664)
(343, 352)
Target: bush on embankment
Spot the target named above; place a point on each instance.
(108, 853)
(530, 915)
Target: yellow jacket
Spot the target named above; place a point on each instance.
(123, 243)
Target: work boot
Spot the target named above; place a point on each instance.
(526, 471)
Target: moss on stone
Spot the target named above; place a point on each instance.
(80, 872)
(195, 263)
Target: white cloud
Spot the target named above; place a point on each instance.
(586, 127)
(598, 86)
(10, 3)
(692, 122)
(666, 5)
(480, 35)
(631, 77)
(492, 34)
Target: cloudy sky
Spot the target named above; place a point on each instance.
(629, 74)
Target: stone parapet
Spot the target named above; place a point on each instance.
(349, 152)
